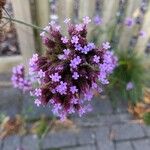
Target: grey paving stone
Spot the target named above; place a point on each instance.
(127, 131)
(121, 106)
(147, 130)
(103, 139)
(10, 101)
(105, 145)
(11, 143)
(30, 142)
(103, 119)
(5, 77)
(87, 147)
(142, 144)
(31, 111)
(87, 121)
(101, 106)
(85, 136)
(123, 146)
(59, 140)
(1, 144)
(102, 133)
(113, 119)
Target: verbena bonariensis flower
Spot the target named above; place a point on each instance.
(19, 80)
(72, 70)
(129, 86)
(129, 22)
(97, 20)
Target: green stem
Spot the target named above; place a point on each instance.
(24, 23)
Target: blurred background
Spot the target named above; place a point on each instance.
(121, 114)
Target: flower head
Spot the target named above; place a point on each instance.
(37, 102)
(79, 27)
(74, 40)
(62, 88)
(96, 59)
(97, 20)
(67, 20)
(129, 86)
(129, 22)
(55, 77)
(73, 89)
(75, 62)
(75, 75)
(64, 39)
(18, 78)
(70, 72)
(106, 45)
(66, 52)
(86, 20)
(41, 74)
(142, 34)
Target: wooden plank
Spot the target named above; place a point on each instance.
(109, 17)
(109, 11)
(127, 32)
(8, 62)
(65, 10)
(42, 19)
(42, 12)
(87, 8)
(142, 41)
(22, 12)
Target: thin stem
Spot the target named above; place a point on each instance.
(7, 12)
(24, 23)
(5, 24)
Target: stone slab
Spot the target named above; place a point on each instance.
(123, 146)
(30, 142)
(85, 136)
(142, 144)
(12, 143)
(86, 147)
(103, 139)
(31, 111)
(127, 131)
(59, 140)
(10, 101)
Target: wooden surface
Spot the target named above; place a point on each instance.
(142, 42)
(7, 62)
(42, 19)
(109, 17)
(87, 9)
(65, 9)
(25, 34)
(127, 32)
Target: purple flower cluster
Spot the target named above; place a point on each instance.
(72, 70)
(129, 86)
(97, 20)
(18, 78)
(106, 68)
(129, 22)
(142, 34)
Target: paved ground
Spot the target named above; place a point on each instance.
(103, 129)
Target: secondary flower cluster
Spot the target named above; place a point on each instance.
(72, 70)
(18, 78)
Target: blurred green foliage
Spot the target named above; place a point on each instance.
(131, 68)
(146, 118)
